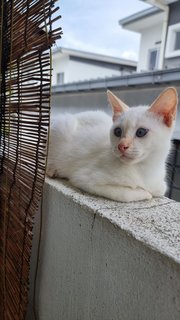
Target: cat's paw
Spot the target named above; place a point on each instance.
(160, 191)
(148, 195)
(137, 194)
(142, 194)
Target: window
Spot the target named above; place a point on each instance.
(60, 78)
(153, 59)
(173, 41)
(177, 41)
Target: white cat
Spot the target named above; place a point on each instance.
(123, 159)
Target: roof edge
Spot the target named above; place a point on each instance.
(96, 56)
(151, 78)
(139, 15)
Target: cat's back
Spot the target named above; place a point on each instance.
(76, 138)
(93, 118)
(82, 123)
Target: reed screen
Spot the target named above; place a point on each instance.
(26, 36)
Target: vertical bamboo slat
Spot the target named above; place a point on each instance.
(26, 36)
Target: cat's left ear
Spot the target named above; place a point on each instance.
(166, 105)
(117, 105)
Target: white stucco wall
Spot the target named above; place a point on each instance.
(149, 37)
(79, 71)
(59, 65)
(103, 260)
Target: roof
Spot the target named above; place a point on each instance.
(164, 2)
(94, 56)
(139, 15)
(146, 18)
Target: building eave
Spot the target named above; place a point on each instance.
(160, 77)
(163, 2)
(151, 16)
(95, 57)
(138, 16)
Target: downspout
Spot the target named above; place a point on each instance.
(165, 8)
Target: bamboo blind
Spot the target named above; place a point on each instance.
(26, 36)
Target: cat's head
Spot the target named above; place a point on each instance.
(143, 132)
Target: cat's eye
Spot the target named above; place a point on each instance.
(141, 132)
(118, 132)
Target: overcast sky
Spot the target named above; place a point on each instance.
(92, 25)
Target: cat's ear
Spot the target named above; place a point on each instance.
(117, 105)
(166, 105)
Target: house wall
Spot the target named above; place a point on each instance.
(171, 63)
(80, 71)
(60, 65)
(77, 70)
(150, 39)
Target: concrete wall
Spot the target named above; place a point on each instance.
(95, 99)
(103, 260)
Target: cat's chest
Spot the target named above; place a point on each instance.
(152, 176)
(129, 176)
(139, 176)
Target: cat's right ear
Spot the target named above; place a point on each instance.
(117, 105)
(166, 106)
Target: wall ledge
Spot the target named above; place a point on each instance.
(155, 223)
(101, 259)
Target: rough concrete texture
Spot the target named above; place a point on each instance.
(106, 260)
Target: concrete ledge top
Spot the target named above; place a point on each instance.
(155, 222)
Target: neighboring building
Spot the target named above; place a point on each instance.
(73, 66)
(159, 27)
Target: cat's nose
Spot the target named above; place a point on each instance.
(123, 147)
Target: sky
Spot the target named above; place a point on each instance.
(93, 26)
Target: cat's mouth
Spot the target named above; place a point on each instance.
(126, 157)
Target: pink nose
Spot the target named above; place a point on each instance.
(123, 147)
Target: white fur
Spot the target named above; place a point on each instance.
(83, 148)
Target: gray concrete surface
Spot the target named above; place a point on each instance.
(74, 102)
(88, 100)
(103, 260)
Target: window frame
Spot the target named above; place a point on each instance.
(157, 49)
(171, 38)
(61, 74)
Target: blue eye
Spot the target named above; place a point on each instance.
(141, 132)
(118, 132)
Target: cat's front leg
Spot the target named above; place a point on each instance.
(138, 194)
(115, 192)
